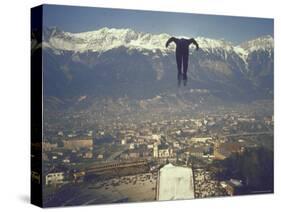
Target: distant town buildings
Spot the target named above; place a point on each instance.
(54, 178)
(196, 151)
(162, 151)
(232, 186)
(224, 150)
(200, 139)
(49, 146)
(77, 144)
(121, 147)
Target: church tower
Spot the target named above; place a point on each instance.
(155, 150)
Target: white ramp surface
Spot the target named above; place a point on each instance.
(175, 183)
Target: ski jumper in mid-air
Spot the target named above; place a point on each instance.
(182, 54)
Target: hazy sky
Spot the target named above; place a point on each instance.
(234, 29)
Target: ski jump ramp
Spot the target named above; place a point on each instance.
(175, 183)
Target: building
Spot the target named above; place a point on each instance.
(123, 142)
(88, 155)
(150, 146)
(134, 154)
(232, 186)
(201, 139)
(176, 144)
(49, 146)
(79, 176)
(155, 137)
(60, 133)
(174, 183)
(165, 152)
(224, 150)
(54, 178)
(155, 150)
(100, 156)
(77, 144)
(132, 146)
(162, 151)
(187, 132)
(196, 151)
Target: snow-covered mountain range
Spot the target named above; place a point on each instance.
(131, 61)
(105, 39)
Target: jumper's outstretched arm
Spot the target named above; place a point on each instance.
(195, 43)
(172, 39)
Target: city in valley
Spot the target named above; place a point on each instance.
(116, 151)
